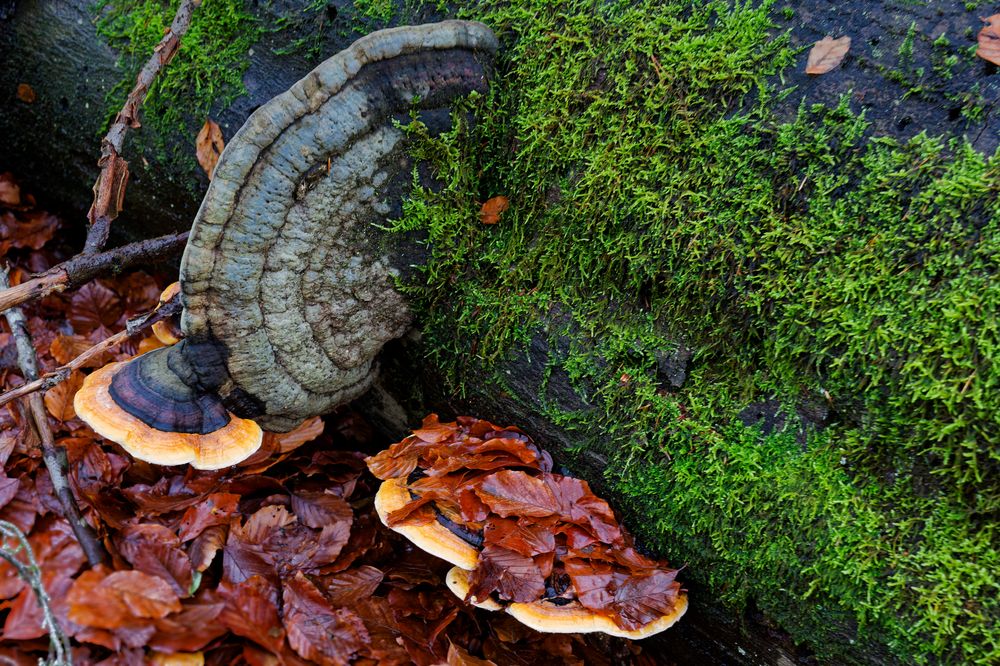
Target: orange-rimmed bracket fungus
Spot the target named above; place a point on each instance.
(167, 330)
(288, 278)
(523, 539)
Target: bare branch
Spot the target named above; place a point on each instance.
(60, 374)
(85, 267)
(109, 190)
(53, 456)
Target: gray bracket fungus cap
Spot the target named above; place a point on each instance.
(288, 277)
(287, 285)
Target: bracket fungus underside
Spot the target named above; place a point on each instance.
(287, 280)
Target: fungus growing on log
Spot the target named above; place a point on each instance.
(431, 536)
(538, 545)
(570, 617)
(287, 279)
(163, 422)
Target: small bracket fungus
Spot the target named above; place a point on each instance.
(573, 617)
(164, 423)
(432, 536)
(288, 279)
(167, 331)
(537, 545)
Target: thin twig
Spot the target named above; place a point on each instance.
(62, 373)
(53, 456)
(59, 647)
(109, 190)
(85, 267)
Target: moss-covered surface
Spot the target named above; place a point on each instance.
(840, 282)
(845, 279)
(206, 73)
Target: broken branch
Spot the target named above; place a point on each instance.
(109, 190)
(85, 267)
(53, 456)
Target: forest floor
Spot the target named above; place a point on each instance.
(280, 557)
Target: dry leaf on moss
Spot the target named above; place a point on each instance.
(208, 146)
(491, 210)
(26, 93)
(826, 54)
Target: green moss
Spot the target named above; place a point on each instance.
(655, 197)
(206, 72)
(309, 24)
(376, 10)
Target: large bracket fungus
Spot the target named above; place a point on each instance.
(287, 280)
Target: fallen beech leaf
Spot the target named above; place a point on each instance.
(251, 611)
(512, 492)
(631, 600)
(28, 230)
(347, 587)
(512, 576)
(26, 93)
(156, 550)
(208, 146)
(317, 632)
(422, 618)
(491, 210)
(216, 509)
(59, 398)
(274, 542)
(94, 306)
(521, 536)
(8, 489)
(826, 54)
(433, 431)
(25, 620)
(206, 545)
(384, 644)
(67, 347)
(989, 40)
(196, 626)
(318, 510)
(306, 432)
(117, 599)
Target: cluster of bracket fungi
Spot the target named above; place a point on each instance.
(288, 292)
(538, 545)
